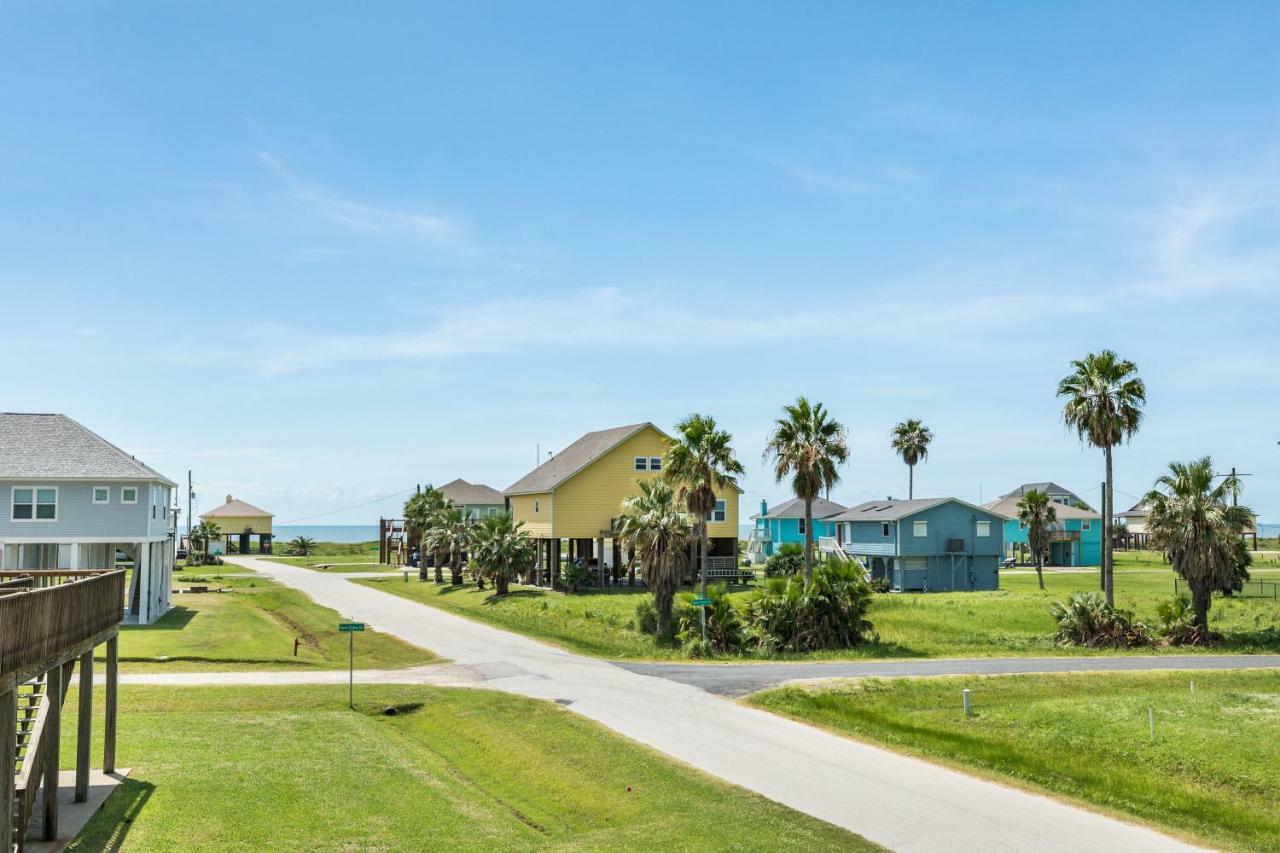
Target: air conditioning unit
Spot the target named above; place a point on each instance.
(955, 546)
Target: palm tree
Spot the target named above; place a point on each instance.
(653, 523)
(1104, 405)
(457, 536)
(1038, 515)
(806, 444)
(1200, 531)
(910, 439)
(301, 546)
(420, 513)
(439, 538)
(701, 463)
(500, 550)
(203, 533)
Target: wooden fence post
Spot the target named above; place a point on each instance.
(84, 727)
(8, 748)
(52, 735)
(109, 723)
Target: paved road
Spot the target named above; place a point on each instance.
(900, 802)
(741, 679)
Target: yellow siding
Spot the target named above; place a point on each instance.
(536, 524)
(237, 524)
(587, 501)
(727, 529)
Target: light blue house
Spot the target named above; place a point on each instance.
(785, 523)
(1076, 540)
(925, 545)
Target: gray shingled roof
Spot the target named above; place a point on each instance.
(573, 459)
(1048, 487)
(462, 493)
(794, 508)
(897, 510)
(54, 447)
(1008, 507)
(235, 508)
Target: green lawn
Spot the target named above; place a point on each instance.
(1012, 621)
(253, 626)
(259, 768)
(338, 564)
(1209, 774)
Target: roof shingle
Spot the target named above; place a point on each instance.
(54, 447)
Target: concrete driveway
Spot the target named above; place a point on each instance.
(900, 802)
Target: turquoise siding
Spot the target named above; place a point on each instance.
(925, 562)
(1086, 552)
(776, 532)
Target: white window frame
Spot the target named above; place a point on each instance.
(920, 529)
(721, 509)
(800, 526)
(94, 494)
(655, 463)
(125, 500)
(884, 528)
(641, 463)
(35, 503)
(1086, 524)
(983, 528)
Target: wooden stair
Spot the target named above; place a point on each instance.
(33, 710)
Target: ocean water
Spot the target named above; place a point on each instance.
(328, 532)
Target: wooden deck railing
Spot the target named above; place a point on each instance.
(70, 609)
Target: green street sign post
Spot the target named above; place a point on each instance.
(350, 629)
(702, 602)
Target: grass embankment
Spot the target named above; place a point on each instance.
(259, 768)
(1013, 621)
(1210, 773)
(338, 557)
(252, 625)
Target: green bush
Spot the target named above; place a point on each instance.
(646, 618)
(1178, 623)
(790, 615)
(575, 576)
(1087, 620)
(724, 624)
(788, 561)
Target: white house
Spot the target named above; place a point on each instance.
(69, 499)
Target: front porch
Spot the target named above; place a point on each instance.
(149, 564)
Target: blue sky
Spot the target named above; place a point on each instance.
(322, 253)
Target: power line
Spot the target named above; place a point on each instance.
(346, 508)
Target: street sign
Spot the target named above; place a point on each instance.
(702, 602)
(347, 627)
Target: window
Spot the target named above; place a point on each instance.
(717, 514)
(1086, 524)
(884, 529)
(35, 504)
(984, 528)
(129, 494)
(102, 494)
(537, 506)
(920, 528)
(642, 463)
(655, 463)
(800, 526)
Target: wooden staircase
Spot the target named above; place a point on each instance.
(32, 746)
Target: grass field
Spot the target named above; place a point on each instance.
(339, 564)
(253, 626)
(1210, 773)
(270, 768)
(1013, 621)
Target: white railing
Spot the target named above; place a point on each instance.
(755, 544)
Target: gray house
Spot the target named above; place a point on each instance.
(925, 545)
(69, 499)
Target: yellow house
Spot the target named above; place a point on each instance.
(577, 493)
(238, 518)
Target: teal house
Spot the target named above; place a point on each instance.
(1076, 540)
(925, 545)
(785, 523)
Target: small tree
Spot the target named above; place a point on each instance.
(301, 546)
(1200, 530)
(1038, 515)
(500, 550)
(653, 523)
(806, 445)
(201, 535)
(453, 532)
(910, 440)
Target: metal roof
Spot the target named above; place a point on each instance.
(55, 447)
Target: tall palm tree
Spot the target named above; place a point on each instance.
(910, 439)
(1202, 533)
(500, 550)
(1038, 515)
(456, 535)
(701, 464)
(653, 523)
(1104, 405)
(420, 513)
(806, 445)
(203, 533)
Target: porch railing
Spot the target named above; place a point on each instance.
(66, 609)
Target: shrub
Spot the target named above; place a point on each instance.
(1087, 620)
(788, 561)
(724, 625)
(646, 618)
(879, 584)
(1178, 623)
(829, 613)
(575, 576)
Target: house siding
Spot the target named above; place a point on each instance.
(1085, 552)
(777, 532)
(236, 524)
(79, 516)
(536, 524)
(923, 562)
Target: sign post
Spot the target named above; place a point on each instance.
(350, 628)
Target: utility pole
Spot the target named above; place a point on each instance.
(191, 493)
